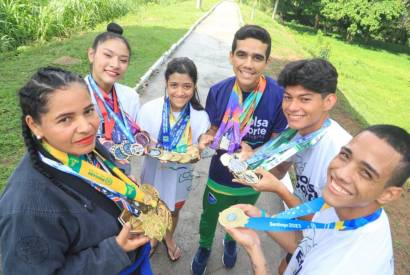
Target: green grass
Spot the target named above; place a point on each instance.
(151, 31)
(375, 80)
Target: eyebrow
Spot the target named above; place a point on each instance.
(72, 113)
(364, 163)
(252, 54)
(111, 51)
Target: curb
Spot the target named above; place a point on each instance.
(155, 67)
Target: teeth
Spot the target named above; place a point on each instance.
(339, 189)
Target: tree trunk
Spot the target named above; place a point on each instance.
(275, 8)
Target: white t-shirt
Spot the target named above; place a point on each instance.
(311, 164)
(366, 250)
(173, 181)
(128, 100)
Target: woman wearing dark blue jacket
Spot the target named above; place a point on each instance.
(54, 217)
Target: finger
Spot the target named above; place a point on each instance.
(125, 231)
(137, 242)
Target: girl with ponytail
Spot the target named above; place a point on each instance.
(109, 58)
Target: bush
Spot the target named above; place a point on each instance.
(22, 21)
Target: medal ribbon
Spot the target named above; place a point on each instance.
(119, 183)
(124, 124)
(179, 136)
(283, 147)
(238, 116)
(285, 221)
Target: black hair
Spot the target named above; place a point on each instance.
(184, 65)
(114, 31)
(316, 75)
(33, 98)
(253, 31)
(399, 139)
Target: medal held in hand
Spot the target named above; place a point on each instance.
(153, 221)
(274, 152)
(190, 156)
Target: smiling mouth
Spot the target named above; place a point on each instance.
(85, 141)
(337, 189)
(111, 73)
(247, 74)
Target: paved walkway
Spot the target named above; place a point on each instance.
(209, 46)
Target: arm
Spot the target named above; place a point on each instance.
(250, 240)
(269, 183)
(40, 243)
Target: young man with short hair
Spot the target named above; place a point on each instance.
(249, 58)
(367, 173)
(310, 93)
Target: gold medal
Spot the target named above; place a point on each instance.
(175, 157)
(233, 217)
(166, 156)
(185, 158)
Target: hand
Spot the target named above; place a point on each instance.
(267, 183)
(248, 238)
(129, 242)
(204, 140)
(246, 152)
(250, 210)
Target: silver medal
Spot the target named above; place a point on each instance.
(208, 152)
(236, 166)
(226, 159)
(137, 149)
(224, 144)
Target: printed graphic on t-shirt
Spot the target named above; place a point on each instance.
(258, 129)
(305, 246)
(304, 189)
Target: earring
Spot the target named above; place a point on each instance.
(38, 137)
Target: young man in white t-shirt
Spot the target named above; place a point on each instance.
(366, 174)
(310, 93)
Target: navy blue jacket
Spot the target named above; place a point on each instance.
(45, 230)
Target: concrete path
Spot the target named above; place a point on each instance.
(208, 46)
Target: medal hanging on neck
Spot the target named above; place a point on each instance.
(175, 136)
(141, 205)
(273, 153)
(118, 127)
(238, 117)
(286, 220)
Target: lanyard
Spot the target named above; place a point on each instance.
(122, 124)
(118, 183)
(169, 138)
(238, 116)
(283, 147)
(286, 220)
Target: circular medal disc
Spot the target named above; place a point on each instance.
(233, 217)
(107, 144)
(237, 166)
(185, 158)
(175, 157)
(154, 152)
(226, 159)
(137, 149)
(250, 177)
(208, 152)
(143, 138)
(166, 156)
(125, 148)
(118, 155)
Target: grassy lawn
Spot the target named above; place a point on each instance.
(151, 30)
(374, 80)
(359, 67)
